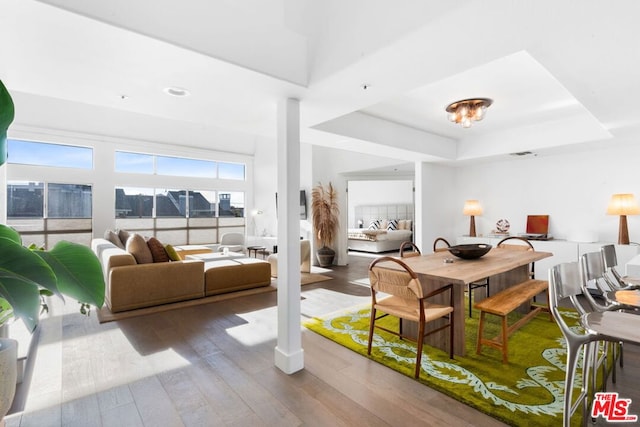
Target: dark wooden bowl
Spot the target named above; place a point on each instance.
(470, 251)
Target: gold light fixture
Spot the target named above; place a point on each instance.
(623, 205)
(468, 110)
(472, 208)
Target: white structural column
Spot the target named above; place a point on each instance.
(289, 356)
(419, 206)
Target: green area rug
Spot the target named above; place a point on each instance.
(526, 392)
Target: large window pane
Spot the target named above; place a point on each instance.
(231, 203)
(171, 203)
(68, 201)
(177, 166)
(231, 171)
(25, 199)
(134, 202)
(202, 204)
(134, 162)
(44, 154)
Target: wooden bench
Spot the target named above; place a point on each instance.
(503, 303)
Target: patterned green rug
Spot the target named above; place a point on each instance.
(526, 392)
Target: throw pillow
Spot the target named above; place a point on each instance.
(137, 247)
(113, 237)
(392, 225)
(173, 255)
(124, 236)
(158, 252)
(375, 224)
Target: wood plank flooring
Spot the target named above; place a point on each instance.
(212, 365)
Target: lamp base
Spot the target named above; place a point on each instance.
(472, 226)
(623, 231)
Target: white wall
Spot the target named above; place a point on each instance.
(382, 192)
(573, 188)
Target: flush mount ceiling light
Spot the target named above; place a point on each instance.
(176, 91)
(468, 110)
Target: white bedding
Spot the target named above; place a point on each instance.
(379, 235)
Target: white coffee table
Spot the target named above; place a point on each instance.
(215, 256)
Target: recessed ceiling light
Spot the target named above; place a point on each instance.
(176, 91)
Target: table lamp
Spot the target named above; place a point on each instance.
(472, 208)
(623, 205)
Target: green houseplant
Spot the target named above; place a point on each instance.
(325, 210)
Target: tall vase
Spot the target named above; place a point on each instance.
(8, 375)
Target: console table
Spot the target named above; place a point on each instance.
(563, 251)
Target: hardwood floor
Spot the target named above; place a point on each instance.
(213, 365)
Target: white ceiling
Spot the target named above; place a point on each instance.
(561, 76)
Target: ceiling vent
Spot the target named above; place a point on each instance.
(521, 153)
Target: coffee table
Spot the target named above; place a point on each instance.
(215, 256)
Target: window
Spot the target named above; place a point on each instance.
(202, 204)
(68, 201)
(177, 166)
(134, 162)
(134, 202)
(45, 154)
(25, 200)
(231, 171)
(45, 213)
(230, 203)
(171, 203)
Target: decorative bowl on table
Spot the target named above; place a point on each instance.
(470, 251)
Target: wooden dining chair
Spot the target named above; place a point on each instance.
(437, 244)
(409, 249)
(437, 247)
(520, 244)
(406, 300)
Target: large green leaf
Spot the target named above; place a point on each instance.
(10, 233)
(21, 274)
(7, 113)
(78, 271)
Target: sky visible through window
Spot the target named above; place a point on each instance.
(178, 166)
(43, 154)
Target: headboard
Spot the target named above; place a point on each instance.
(367, 213)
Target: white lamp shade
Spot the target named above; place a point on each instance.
(623, 204)
(472, 207)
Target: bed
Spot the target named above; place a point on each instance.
(384, 228)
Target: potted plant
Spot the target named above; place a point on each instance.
(325, 209)
(27, 275)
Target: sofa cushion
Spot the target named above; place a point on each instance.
(233, 275)
(158, 252)
(173, 254)
(137, 247)
(113, 237)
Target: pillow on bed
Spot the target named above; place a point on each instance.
(375, 224)
(392, 225)
(404, 224)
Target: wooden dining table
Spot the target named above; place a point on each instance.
(504, 267)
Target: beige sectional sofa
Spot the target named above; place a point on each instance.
(130, 285)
